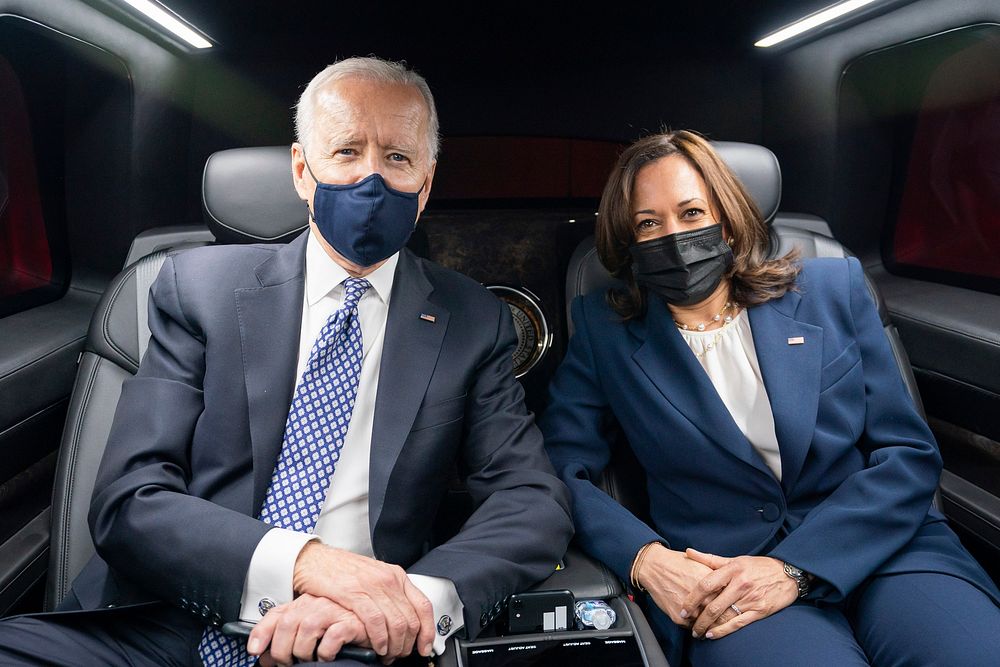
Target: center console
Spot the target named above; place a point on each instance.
(629, 642)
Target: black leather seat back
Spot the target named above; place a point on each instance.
(757, 167)
(249, 197)
(110, 356)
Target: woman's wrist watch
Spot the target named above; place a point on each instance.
(801, 578)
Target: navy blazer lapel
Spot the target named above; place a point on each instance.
(270, 318)
(790, 355)
(409, 355)
(670, 365)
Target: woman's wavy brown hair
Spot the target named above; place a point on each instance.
(755, 278)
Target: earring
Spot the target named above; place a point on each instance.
(730, 240)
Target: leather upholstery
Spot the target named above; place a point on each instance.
(88, 423)
(758, 170)
(110, 356)
(235, 184)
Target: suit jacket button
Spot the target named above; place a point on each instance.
(770, 512)
(483, 620)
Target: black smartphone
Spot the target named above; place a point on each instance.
(540, 611)
(242, 629)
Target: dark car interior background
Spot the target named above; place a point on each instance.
(886, 125)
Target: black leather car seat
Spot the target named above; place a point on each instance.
(758, 169)
(235, 184)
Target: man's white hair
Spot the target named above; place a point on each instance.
(372, 69)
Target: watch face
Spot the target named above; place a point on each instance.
(533, 339)
(801, 580)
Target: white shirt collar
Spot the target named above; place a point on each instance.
(323, 274)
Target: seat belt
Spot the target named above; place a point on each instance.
(146, 270)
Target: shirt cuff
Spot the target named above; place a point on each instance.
(448, 607)
(269, 577)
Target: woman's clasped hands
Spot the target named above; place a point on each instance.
(712, 595)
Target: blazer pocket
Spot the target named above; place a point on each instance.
(839, 367)
(439, 413)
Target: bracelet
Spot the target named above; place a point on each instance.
(634, 572)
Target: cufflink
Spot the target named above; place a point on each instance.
(444, 625)
(265, 605)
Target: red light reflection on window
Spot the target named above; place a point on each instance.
(25, 261)
(949, 216)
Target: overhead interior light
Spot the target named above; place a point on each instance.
(170, 22)
(812, 21)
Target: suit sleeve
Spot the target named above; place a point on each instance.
(145, 524)
(521, 526)
(876, 511)
(577, 427)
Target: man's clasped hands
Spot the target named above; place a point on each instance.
(344, 598)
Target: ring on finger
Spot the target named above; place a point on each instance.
(735, 609)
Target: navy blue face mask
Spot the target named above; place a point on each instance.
(366, 221)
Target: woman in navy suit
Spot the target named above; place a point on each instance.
(790, 477)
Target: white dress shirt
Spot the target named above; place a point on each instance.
(343, 520)
(732, 365)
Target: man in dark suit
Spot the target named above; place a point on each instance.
(282, 453)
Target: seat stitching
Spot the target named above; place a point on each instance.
(67, 502)
(107, 318)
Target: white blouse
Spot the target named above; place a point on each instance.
(730, 360)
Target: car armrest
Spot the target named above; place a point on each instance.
(586, 578)
(583, 576)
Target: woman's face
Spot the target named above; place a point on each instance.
(669, 196)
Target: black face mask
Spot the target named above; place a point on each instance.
(684, 268)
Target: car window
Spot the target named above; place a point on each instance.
(937, 99)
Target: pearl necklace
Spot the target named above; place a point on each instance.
(718, 316)
(710, 345)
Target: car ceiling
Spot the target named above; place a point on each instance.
(485, 36)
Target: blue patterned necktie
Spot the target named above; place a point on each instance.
(314, 435)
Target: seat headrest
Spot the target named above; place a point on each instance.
(758, 169)
(249, 197)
